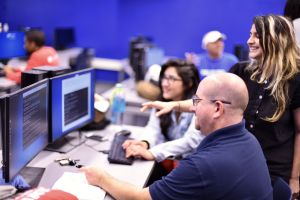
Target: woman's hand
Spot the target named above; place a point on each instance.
(139, 151)
(163, 107)
(128, 143)
(294, 185)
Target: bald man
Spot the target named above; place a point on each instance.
(228, 164)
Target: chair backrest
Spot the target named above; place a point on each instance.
(83, 60)
(281, 190)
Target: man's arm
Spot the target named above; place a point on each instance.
(166, 107)
(119, 190)
(294, 180)
(13, 74)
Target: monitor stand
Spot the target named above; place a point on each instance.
(66, 143)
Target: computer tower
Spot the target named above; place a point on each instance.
(39, 73)
(143, 54)
(32, 76)
(54, 71)
(138, 61)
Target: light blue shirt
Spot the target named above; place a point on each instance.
(184, 138)
(207, 66)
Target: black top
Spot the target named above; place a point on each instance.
(275, 138)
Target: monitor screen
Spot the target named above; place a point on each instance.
(64, 38)
(12, 45)
(24, 127)
(72, 102)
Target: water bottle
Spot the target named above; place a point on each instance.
(118, 104)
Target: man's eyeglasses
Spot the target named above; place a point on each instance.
(170, 79)
(196, 100)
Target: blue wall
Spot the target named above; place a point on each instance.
(107, 25)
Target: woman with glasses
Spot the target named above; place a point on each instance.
(178, 81)
(272, 77)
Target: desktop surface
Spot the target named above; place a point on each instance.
(87, 153)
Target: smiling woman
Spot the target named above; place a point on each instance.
(255, 50)
(178, 80)
(273, 81)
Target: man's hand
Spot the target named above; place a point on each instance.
(294, 185)
(8, 69)
(93, 175)
(139, 151)
(163, 107)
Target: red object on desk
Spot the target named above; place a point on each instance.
(46, 194)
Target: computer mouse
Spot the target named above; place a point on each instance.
(124, 132)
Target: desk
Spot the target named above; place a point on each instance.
(133, 115)
(136, 174)
(7, 85)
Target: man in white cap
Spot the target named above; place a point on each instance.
(215, 59)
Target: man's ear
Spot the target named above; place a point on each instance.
(218, 110)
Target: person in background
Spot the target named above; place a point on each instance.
(39, 55)
(292, 10)
(228, 164)
(273, 81)
(178, 80)
(215, 59)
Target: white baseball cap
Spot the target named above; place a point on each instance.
(212, 36)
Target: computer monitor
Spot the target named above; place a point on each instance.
(72, 106)
(64, 38)
(12, 45)
(24, 127)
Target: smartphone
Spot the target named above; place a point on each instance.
(95, 137)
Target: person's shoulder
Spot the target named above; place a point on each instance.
(48, 48)
(295, 81)
(239, 67)
(230, 56)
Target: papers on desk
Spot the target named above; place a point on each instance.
(76, 184)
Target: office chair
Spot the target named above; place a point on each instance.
(83, 60)
(281, 190)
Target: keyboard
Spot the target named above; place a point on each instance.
(117, 153)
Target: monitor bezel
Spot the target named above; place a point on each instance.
(51, 121)
(6, 149)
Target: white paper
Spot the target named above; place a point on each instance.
(101, 106)
(76, 184)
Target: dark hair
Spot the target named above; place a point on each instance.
(292, 9)
(190, 81)
(36, 36)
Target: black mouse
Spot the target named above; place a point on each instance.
(124, 132)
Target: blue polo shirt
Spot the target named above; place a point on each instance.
(207, 66)
(228, 164)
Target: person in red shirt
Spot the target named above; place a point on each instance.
(40, 55)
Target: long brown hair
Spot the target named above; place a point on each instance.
(280, 61)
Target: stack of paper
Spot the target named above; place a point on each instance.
(76, 184)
